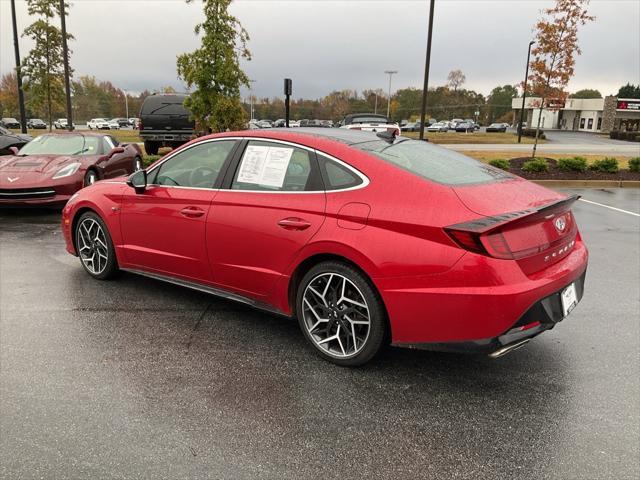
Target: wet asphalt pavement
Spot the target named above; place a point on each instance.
(139, 379)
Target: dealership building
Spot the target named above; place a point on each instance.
(583, 114)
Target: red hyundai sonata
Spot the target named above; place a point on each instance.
(364, 238)
(51, 168)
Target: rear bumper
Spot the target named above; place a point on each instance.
(167, 137)
(479, 300)
(542, 316)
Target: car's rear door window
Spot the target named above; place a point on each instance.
(276, 167)
(198, 166)
(432, 162)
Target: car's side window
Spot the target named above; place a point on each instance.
(336, 176)
(108, 144)
(275, 167)
(197, 167)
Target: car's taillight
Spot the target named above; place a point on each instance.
(140, 125)
(517, 235)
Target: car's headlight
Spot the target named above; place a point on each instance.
(67, 170)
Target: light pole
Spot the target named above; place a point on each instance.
(251, 82)
(391, 73)
(524, 92)
(67, 73)
(425, 87)
(126, 103)
(23, 114)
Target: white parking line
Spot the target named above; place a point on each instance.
(610, 207)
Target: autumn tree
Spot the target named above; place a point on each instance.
(553, 60)
(8, 96)
(43, 68)
(456, 79)
(213, 70)
(499, 102)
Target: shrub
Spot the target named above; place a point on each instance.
(607, 165)
(149, 159)
(634, 164)
(575, 164)
(531, 132)
(536, 165)
(500, 163)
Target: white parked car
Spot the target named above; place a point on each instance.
(113, 124)
(98, 124)
(438, 127)
(370, 122)
(61, 124)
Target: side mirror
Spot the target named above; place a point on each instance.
(115, 151)
(138, 181)
(13, 150)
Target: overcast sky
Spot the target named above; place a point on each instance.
(326, 45)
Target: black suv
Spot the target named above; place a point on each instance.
(164, 122)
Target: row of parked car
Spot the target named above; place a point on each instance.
(281, 122)
(61, 123)
(457, 124)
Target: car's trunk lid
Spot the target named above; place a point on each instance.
(520, 221)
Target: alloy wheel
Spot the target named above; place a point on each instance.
(92, 246)
(336, 315)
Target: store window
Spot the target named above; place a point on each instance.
(590, 124)
(600, 123)
(582, 124)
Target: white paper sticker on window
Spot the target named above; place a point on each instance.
(265, 165)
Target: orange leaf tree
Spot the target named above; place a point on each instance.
(556, 36)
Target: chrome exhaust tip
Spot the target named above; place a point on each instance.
(508, 348)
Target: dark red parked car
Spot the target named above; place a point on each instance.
(364, 238)
(52, 167)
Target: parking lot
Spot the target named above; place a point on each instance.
(137, 379)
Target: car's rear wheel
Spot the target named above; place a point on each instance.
(95, 248)
(151, 147)
(90, 178)
(341, 314)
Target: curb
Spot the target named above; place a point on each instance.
(589, 183)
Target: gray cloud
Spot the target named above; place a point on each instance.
(326, 45)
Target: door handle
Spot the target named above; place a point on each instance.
(294, 223)
(192, 212)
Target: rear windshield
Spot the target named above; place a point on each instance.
(61, 145)
(432, 162)
(164, 105)
(369, 119)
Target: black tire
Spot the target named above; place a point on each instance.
(111, 269)
(151, 147)
(90, 178)
(377, 335)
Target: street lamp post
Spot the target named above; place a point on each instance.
(251, 82)
(67, 72)
(126, 103)
(524, 92)
(23, 114)
(425, 87)
(390, 73)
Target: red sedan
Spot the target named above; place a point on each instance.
(51, 168)
(364, 238)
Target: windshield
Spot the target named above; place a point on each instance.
(61, 145)
(432, 162)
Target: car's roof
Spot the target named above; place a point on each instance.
(76, 132)
(342, 135)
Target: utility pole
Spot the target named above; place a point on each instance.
(524, 92)
(126, 103)
(288, 90)
(23, 113)
(251, 82)
(391, 73)
(65, 54)
(375, 108)
(425, 87)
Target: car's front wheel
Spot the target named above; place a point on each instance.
(90, 178)
(341, 314)
(151, 147)
(95, 248)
